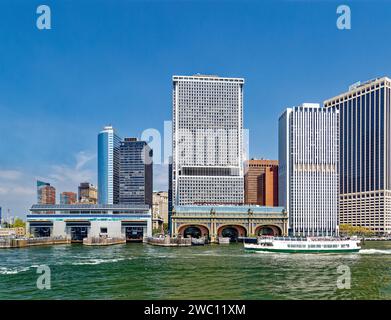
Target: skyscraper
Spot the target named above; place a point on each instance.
(108, 166)
(67, 197)
(207, 140)
(365, 154)
(135, 173)
(170, 199)
(46, 194)
(308, 169)
(261, 182)
(87, 193)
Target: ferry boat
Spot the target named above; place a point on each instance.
(304, 245)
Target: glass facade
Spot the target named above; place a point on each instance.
(135, 174)
(108, 166)
(365, 155)
(308, 175)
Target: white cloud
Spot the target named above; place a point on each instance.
(67, 178)
(82, 158)
(10, 174)
(19, 194)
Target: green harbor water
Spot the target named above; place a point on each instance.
(137, 271)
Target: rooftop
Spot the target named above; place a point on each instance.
(359, 86)
(200, 77)
(87, 206)
(227, 209)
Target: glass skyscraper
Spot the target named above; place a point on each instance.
(135, 173)
(308, 169)
(365, 154)
(108, 166)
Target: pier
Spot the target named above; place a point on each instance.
(103, 241)
(30, 242)
(168, 241)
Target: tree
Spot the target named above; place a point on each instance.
(18, 223)
(350, 230)
(165, 228)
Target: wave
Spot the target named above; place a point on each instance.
(375, 251)
(96, 261)
(5, 270)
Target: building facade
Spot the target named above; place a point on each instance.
(207, 140)
(12, 232)
(160, 209)
(80, 221)
(261, 182)
(135, 172)
(87, 193)
(68, 197)
(170, 198)
(365, 154)
(308, 169)
(233, 222)
(108, 166)
(46, 194)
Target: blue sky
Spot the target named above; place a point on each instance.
(111, 62)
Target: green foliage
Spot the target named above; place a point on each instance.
(156, 231)
(18, 223)
(349, 230)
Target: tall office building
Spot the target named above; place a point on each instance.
(68, 197)
(207, 140)
(46, 194)
(261, 182)
(308, 169)
(108, 166)
(170, 199)
(87, 193)
(135, 173)
(365, 154)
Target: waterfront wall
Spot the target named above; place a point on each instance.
(28, 242)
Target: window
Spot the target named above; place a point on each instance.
(103, 230)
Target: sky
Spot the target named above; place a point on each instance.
(111, 62)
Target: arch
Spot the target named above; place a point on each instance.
(268, 230)
(193, 230)
(232, 231)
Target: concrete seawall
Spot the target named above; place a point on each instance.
(29, 242)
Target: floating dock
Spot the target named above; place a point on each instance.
(224, 240)
(103, 241)
(168, 241)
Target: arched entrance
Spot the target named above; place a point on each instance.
(268, 230)
(232, 231)
(194, 231)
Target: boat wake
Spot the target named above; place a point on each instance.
(96, 261)
(375, 251)
(5, 270)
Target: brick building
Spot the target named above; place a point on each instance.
(261, 182)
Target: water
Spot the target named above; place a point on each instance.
(137, 271)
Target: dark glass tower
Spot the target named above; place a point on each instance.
(135, 173)
(365, 154)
